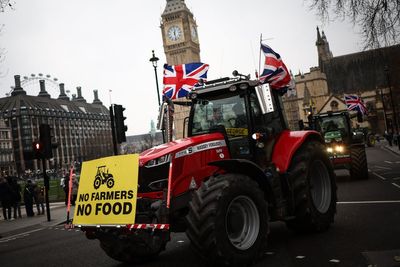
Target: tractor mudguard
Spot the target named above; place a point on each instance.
(248, 168)
(287, 144)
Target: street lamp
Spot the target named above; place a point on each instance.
(153, 61)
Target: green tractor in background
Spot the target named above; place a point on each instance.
(345, 146)
(369, 136)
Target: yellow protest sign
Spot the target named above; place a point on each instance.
(107, 191)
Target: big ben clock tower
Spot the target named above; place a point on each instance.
(181, 46)
(179, 32)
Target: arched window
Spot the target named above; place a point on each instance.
(334, 105)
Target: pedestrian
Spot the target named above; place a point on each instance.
(6, 197)
(16, 189)
(28, 198)
(65, 186)
(74, 191)
(389, 137)
(38, 195)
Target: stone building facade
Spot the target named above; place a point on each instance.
(7, 162)
(370, 74)
(82, 130)
(181, 46)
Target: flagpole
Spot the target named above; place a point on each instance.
(259, 57)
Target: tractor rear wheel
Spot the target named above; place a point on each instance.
(228, 220)
(133, 248)
(371, 140)
(359, 166)
(314, 189)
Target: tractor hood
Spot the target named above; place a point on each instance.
(176, 146)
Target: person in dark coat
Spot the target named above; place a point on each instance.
(16, 190)
(6, 197)
(28, 198)
(38, 195)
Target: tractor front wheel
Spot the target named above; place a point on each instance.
(228, 220)
(314, 189)
(137, 247)
(359, 166)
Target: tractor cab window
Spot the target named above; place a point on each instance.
(229, 112)
(333, 125)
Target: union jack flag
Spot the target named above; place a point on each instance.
(180, 79)
(354, 102)
(275, 72)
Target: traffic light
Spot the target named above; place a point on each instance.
(120, 126)
(37, 149)
(45, 140)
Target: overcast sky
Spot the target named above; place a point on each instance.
(106, 45)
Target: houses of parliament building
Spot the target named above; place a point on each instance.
(370, 74)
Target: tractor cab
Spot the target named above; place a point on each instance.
(334, 127)
(248, 114)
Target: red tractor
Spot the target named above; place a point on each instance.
(239, 169)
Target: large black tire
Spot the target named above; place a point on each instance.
(137, 247)
(228, 220)
(358, 166)
(371, 140)
(314, 189)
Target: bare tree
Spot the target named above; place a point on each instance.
(379, 20)
(3, 52)
(5, 4)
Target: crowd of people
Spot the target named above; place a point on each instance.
(11, 196)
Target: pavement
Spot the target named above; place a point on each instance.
(58, 216)
(393, 148)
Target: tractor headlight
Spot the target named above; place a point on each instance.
(339, 149)
(329, 150)
(158, 161)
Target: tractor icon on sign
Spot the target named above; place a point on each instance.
(103, 177)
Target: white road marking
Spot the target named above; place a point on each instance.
(383, 178)
(396, 185)
(334, 261)
(380, 167)
(396, 178)
(300, 257)
(13, 237)
(389, 162)
(370, 202)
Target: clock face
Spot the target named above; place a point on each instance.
(174, 33)
(193, 31)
